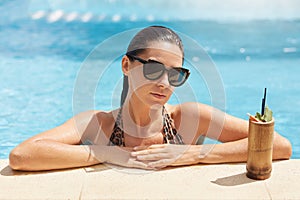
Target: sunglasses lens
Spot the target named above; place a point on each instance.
(177, 76)
(153, 71)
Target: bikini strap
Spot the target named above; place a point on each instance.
(117, 136)
(170, 133)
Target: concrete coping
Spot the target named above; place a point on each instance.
(221, 181)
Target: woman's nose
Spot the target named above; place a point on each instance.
(164, 81)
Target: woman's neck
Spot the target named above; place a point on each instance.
(141, 120)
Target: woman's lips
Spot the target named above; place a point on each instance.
(158, 95)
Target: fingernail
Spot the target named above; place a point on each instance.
(133, 153)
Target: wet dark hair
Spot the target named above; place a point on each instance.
(141, 41)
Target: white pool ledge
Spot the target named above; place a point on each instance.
(223, 181)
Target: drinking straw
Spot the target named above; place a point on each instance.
(263, 103)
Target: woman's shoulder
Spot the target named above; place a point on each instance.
(187, 108)
(97, 122)
(101, 116)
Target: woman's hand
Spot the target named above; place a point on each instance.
(162, 155)
(122, 156)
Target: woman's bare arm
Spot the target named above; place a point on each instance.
(233, 135)
(236, 151)
(164, 155)
(57, 148)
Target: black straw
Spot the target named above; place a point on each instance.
(263, 103)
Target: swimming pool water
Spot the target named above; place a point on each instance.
(39, 62)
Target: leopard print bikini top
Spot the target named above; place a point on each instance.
(169, 132)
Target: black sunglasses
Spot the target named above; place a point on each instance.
(153, 70)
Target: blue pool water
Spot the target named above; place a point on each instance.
(39, 62)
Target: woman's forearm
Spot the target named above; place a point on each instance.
(48, 154)
(225, 152)
(237, 151)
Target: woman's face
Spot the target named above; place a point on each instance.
(153, 92)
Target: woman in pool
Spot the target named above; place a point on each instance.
(145, 132)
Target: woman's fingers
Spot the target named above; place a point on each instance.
(147, 152)
(160, 163)
(139, 148)
(132, 162)
(160, 156)
(152, 157)
(144, 150)
(137, 164)
(154, 146)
